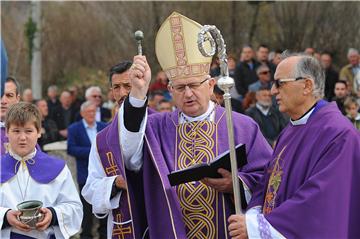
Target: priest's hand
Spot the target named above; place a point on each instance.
(12, 218)
(45, 222)
(140, 77)
(237, 227)
(120, 182)
(223, 184)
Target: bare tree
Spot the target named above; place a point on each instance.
(82, 40)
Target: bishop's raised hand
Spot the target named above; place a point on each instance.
(140, 77)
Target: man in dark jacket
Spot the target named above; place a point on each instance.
(245, 72)
(49, 130)
(53, 101)
(269, 119)
(341, 92)
(262, 55)
(331, 76)
(64, 114)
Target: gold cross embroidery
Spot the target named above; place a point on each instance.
(273, 184)
(112, 169)
(120, 231)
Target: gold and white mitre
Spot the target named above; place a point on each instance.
(177, 50)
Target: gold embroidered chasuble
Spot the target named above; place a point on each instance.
(200, 204)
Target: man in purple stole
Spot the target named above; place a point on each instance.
(106, 188)
(155, 145)
(309, 189)
(10, 97)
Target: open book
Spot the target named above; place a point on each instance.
(202, 170)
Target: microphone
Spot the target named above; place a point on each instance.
(139, 35)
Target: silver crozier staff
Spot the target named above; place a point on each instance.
(139, 35)
(225, 83)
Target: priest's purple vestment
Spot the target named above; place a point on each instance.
(311, 187)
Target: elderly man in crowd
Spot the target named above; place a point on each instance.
(53, 100)
(348, 72)
(94, 95)
(270, 120)
(27, 96)
(64, 114)
(264, 74)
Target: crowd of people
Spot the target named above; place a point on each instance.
(251, 94)
(298, 144)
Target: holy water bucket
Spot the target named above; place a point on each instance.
(30, 212)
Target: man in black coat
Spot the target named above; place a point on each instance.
(64, 114)
(262, 55)
(49, 130)
(245, 72)
(331, 76)
(270, 120)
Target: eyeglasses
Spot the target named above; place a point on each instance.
(96, 96)
(264, 73)
(192, 86)
(281, 82)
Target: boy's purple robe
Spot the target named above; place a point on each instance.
(310, 189)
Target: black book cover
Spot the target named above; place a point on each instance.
(202, 170)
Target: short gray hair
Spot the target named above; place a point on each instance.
(352, 51)
(52, 87)
(85, 105)
(262, 66)
(309, 67)
(91, 89)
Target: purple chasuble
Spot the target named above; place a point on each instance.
(165, 210)
(107, 142)
(4, 141)
(310, 188)
(42, 168)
